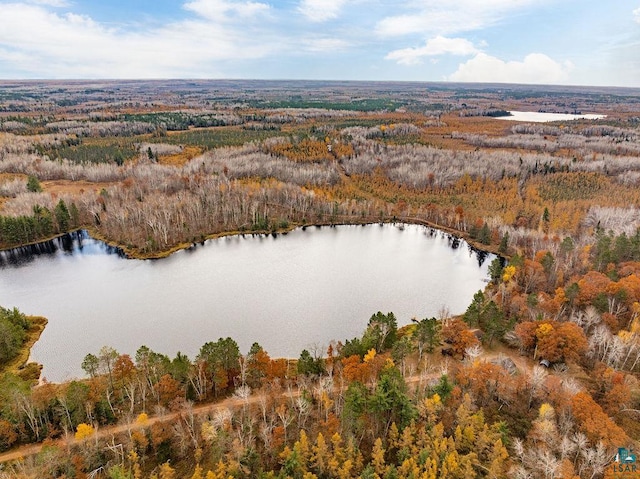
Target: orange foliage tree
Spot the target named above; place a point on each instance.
(595, 423)
(552, 340)
(456, 333)
(591, 285)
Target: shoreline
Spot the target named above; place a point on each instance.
(20, 365)
(32, 371)
(135, 253)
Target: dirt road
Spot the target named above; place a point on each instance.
(522, 363)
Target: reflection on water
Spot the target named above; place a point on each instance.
(544, 117)
(287, 292)
(78, 242)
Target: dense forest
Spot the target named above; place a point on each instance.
(537, 379)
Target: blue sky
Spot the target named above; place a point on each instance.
(577, 42)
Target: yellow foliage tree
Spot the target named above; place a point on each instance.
(371, 354)
(377, 458)
(135, 461)
(84, 431)
(197, 473)
(167, 472)
(302, 448)
(320, 455)
(546, 411)
(508, 272)
(543, 330)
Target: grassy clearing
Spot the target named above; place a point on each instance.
(59, 187)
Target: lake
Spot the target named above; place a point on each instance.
(287, 292)
(541, 117)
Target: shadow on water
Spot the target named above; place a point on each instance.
(481, 256)
(455, 243)
(76, 242)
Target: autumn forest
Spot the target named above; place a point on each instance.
(539, 378)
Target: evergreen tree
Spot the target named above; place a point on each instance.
(546, 216)
(63, 217)
(381, 332)
(75, 216)
(427, 334)
(493, 322)
(474, 312)
(13, 326)
(308, 365)
(495, 270)
(504, 244)
(390, 402)
(484, 235)
(33, 185)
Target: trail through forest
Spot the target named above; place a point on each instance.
(523, 364)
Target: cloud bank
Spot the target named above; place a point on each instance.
(329, 39)
(436, 46)
(452, 17)
(75, 46)
(534, 68)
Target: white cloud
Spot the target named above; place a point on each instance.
(325, 45)
(51, 3)
(535, 68)
(435, 46)
(72, 45)
(217, 9)
(636, 15)
(321, 10)
(453, 16)
(232, 38)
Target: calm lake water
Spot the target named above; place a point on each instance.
(289, 292)
(540, 117)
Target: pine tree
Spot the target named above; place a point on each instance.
(62, 216)
(33, 185)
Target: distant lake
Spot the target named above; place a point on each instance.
(539, 117)
(289, 292)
